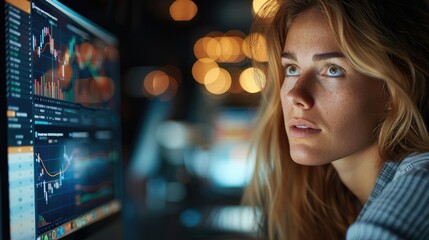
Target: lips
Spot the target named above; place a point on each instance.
(300, 128)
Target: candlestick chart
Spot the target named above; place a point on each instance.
(71, 65)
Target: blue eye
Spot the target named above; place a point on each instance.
(334, 71)
(292, 70)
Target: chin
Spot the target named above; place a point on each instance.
(308, 158)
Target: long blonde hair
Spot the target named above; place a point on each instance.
(386, 40)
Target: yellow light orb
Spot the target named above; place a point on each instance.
(212, 48)
(199, 50)
(257, 5)
(255, 46)
(201, 67)
(226, 49)
(252, 80)
(237, 53)
(217, 81)
(156, 83)
(183, 10)
(207, 47)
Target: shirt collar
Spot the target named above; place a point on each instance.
(386, 175)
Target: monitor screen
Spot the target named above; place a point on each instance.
(63, 121)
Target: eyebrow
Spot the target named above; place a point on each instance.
(316, 57)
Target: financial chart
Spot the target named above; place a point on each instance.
(68, 63)
(74, 75)
(64, 139)
(71, 178)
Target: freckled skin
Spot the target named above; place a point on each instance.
(346, 109)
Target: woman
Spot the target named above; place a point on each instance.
(342, 142)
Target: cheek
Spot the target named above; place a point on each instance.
(355, 117)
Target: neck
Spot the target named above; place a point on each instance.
(359, 171)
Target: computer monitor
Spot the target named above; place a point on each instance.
(62, 121)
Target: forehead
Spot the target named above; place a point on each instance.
(310, 31)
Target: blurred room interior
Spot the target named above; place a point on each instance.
(189, 98)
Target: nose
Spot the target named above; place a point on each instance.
(299, 93)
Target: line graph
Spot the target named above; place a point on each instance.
(72, 177)
(87, 193)
(93, 187)
(52, 166)
(47, 184)
(60, 172)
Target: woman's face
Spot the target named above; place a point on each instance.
(330, 109)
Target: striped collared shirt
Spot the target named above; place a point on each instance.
(398, 207)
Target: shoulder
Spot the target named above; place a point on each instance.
(400, 211)
(412, 163)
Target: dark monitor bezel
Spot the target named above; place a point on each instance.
(4, 200)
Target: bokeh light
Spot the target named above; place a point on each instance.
(257, 5)
(183, 10)
(252, 80)
(207, 47)
(237, 53)
(225, 48)
(156, 83)
(217, 81)
(230, 49)
(201, 67)
(255, 46)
